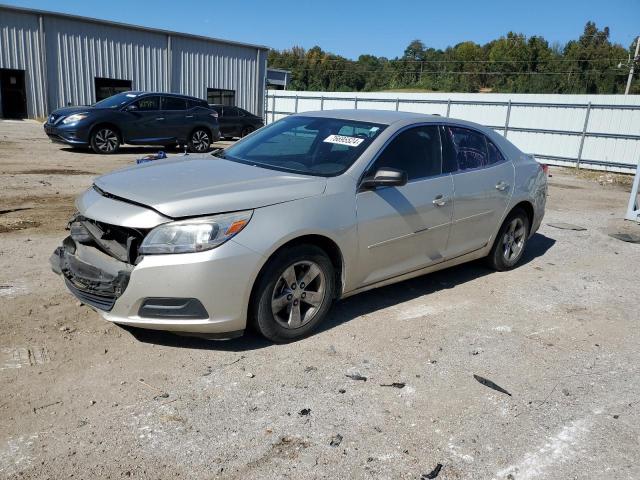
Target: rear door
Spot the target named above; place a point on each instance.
(175, 121)
(483, 186)
(401, 229)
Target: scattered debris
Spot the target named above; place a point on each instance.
(162, 393)
(566, 226)
(342, 390)
(336, 440)
(310, 369)
(92, 402)
(616, 417)
(250, 375)
(35, 409)
(304, 412)
(432, 474)
(490, 384)
(151, 157)
(356, 376)
(394, 385)
(626, 237)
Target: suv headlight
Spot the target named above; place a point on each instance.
(76, 117)
(195, 235)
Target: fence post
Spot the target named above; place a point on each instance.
(273, 109)
(296, 103)
(397, 104)
(506, 122)
(448, 107)
(584, 134)
(355, 103)
(322, 102)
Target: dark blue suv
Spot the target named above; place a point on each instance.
(136, 118)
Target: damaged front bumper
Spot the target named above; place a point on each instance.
(92, 285)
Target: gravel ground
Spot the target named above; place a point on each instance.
(83, 398)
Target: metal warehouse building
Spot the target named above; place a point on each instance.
(49, 60)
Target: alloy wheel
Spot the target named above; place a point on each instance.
(200, 141)
(106, 140)
(513, 240)
(298, 294)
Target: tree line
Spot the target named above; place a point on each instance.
(512, 63)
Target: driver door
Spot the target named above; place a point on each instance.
(402, 229)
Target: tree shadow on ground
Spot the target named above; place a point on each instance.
(356, 306)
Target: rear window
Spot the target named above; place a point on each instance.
(306, 145)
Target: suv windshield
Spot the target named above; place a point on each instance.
(116, 100)
(307, 145)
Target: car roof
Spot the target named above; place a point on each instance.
(166, 94)
(386, 117)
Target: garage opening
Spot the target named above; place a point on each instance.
(13, 93)
(106, 87)
(220, 96)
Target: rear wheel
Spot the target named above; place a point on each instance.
(510, 242)
(199, 141)
(294, 294)
(246, 131)
(105, 140)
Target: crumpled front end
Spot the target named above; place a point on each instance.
(99, 287)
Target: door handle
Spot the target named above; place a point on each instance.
(502, 186)
(440, 201)
(188, 116)
(159, 118)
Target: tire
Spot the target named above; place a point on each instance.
(511, 241)
(105, 140)
(246, 131)
(278, 295)
(199, 141)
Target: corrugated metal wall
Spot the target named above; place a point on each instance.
(77, 51)
(21, 49)
(199, 64)
(549, 126)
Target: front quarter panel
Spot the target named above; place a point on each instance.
(331, 215)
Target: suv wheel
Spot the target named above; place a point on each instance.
(105, 140)
(246, 131)
(294, 294)
(199, 141)
(510, 242)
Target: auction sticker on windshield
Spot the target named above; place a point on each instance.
(344, 140)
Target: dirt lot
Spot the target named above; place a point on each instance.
(82, 398)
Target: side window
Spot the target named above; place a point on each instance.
(148, 103)
(495, 156)
(173, 103)
(230, 112)
(196, 103)
(470, 147)
(415, 151)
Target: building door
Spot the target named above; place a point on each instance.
(13, 93)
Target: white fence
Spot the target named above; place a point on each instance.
(599, 132)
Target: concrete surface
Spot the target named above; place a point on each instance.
(82, 398)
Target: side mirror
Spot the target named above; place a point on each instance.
(131, 108)
(386, 177)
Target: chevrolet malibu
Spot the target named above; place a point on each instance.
(315, 207)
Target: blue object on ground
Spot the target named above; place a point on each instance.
(150, 158)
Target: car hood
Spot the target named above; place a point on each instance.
(65, 112)
(191, 185)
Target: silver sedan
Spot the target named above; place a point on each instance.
(315, 207)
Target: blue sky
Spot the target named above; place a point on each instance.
(353, 27)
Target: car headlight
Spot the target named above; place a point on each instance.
(195, 235)
(76, 117)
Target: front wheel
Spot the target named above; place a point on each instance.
(105, 140)
(510, 242)
(199, 141)
(294, 294)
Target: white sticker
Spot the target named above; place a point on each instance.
(344, 140)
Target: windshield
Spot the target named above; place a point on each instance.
(116, 100)
(307, 145)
